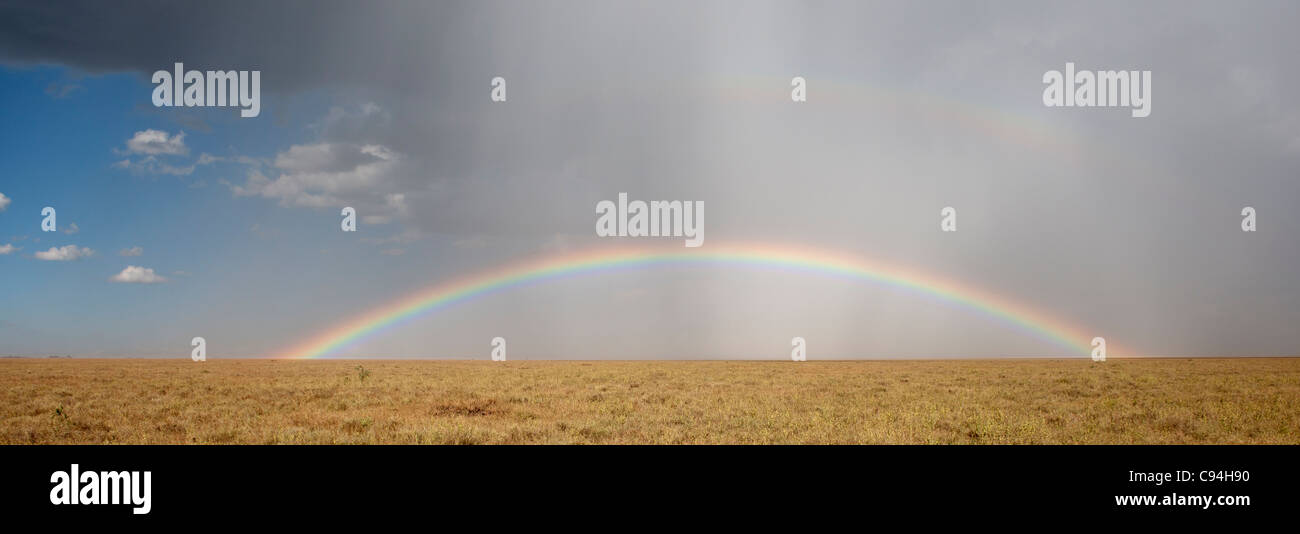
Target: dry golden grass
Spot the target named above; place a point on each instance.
(980, 401)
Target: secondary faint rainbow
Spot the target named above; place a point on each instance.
(535, 270)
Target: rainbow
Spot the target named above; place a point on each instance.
(443, 295)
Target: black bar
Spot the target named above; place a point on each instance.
(318, 484)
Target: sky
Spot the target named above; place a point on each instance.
(178, 222)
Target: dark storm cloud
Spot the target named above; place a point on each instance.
(304, 42)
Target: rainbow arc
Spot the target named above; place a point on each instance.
(1016, 316)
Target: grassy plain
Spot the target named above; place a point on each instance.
(470, 402)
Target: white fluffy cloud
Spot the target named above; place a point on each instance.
(7, 248)
(4, 201)
(155, 142)
(345, 166)
(133, 251)
(324, 174)
(137, 275)
(64, 253)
